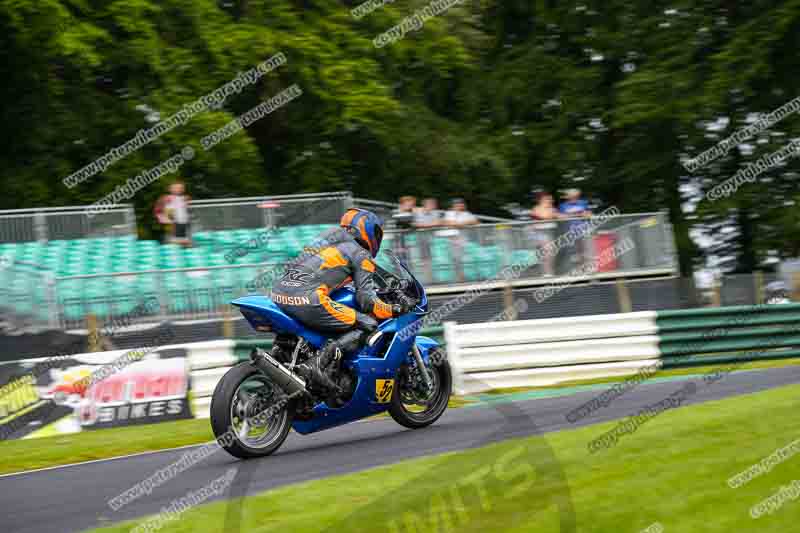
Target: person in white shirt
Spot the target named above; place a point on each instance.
(429, 216)
(425, 220)
(458, 217)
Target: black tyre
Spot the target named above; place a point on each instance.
(249, 414)
(417, 409)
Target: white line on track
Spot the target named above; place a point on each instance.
(151, 452)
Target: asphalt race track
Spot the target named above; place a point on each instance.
(74, 498)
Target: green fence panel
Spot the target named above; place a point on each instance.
(732, 316)
(681, 362)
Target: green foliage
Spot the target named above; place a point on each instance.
(487, 100)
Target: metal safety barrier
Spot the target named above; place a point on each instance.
(64, 223)
(534, 353)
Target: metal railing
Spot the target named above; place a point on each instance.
(183, 293)
(28, 295)
(286, 210)
(445, 259)
(385, 210)
(61, 223)
(447, 255)
(268, 211)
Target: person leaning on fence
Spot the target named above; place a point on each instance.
(545, 215)
(458, 217)
(403, 220)
(575, 207)
(425, 219)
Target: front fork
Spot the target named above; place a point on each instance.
(421, 368)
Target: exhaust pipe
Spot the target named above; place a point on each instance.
(279, 374)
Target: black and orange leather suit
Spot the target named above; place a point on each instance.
(335, 259)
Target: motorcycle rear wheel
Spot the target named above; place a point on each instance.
(240, 396)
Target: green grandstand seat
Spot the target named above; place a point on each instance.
(146, 285)
(121, 239)
(96, 296)
(58, 245)
(489, 261)
(196, 257)
(472, 271)
(245, 276)
(143, 264)
(97, 268)
(150, 249)
(123, 265)
(203, 238)
(170, 262)
(124, 294)
(227, 239)
(443, 272)
(174, 284)
(216, 259)
(70, 298)
(240, 235)
(277, 243)
(199, 285)
(523, 257)
(226, 286)
(308, 233)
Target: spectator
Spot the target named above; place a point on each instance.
(425, 219)
(172, 212)
(575, 207)
(429, 216)
(544, 230)
(404, 216)
(458, 217)
(403, 220)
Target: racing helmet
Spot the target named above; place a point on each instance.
(366, 228)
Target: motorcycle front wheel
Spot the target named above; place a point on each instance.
(250, 416)
(415, 408)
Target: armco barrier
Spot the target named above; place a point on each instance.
(545, 352)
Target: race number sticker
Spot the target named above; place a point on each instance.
(383, 390)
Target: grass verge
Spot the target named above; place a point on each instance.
(672, 471)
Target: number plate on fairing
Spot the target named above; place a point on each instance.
(383, 390)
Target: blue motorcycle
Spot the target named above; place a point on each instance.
(257, 402)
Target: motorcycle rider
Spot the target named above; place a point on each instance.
(340, 256)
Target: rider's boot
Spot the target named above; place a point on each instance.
(332, 352)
